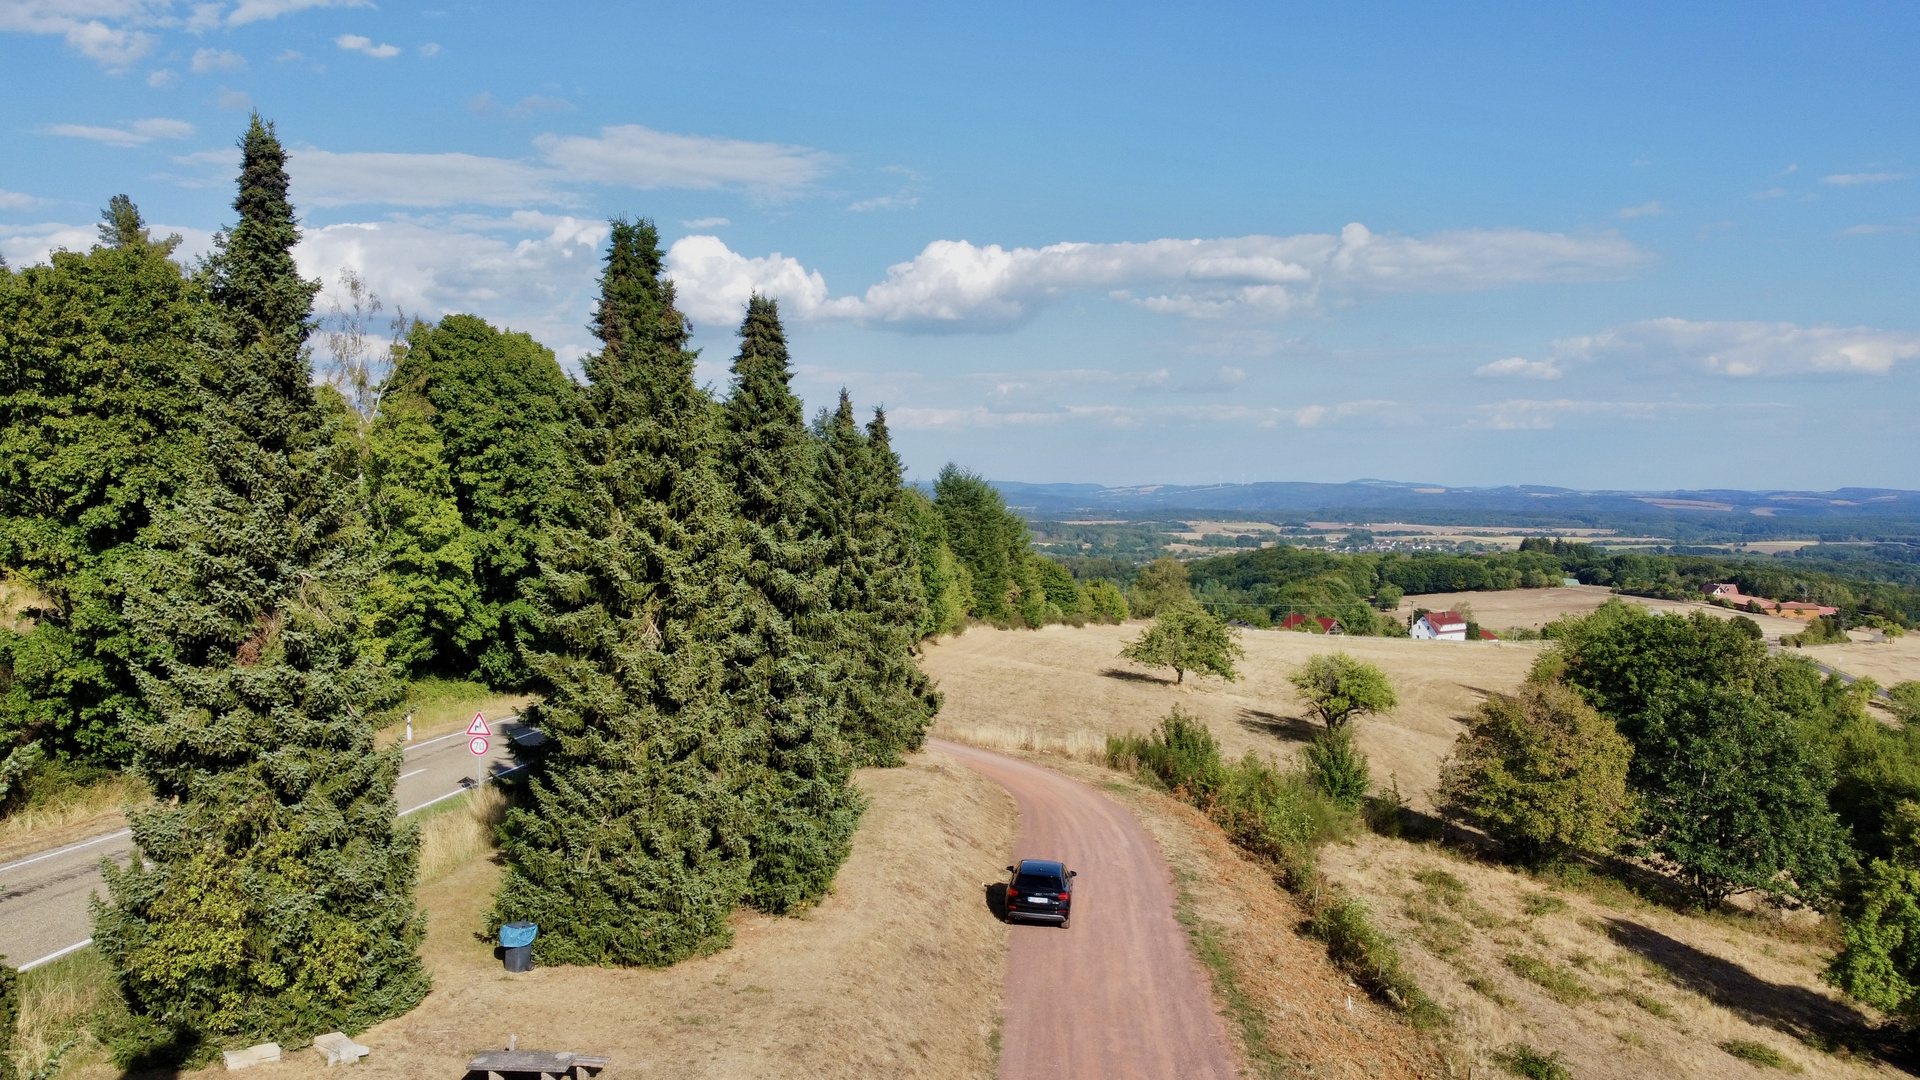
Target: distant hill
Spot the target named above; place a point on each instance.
(1848, 513)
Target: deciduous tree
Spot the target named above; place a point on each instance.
(1337, 688)
(1186, 637)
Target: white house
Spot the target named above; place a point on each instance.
(1440, 626)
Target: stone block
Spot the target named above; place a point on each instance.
(251, 1056)
(338, 1049)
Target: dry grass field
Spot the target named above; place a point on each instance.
(1617, 986)
(1061, 681)
(1885, 662)
(1532, 609)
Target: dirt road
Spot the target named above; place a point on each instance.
(1120, 994)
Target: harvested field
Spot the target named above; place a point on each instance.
(1621, 988)
(1067, 684)
(1532, 609)
(896, 974)
(1885, 662)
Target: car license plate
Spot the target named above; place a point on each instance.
(1041, 900)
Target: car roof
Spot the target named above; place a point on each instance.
(1044, 867)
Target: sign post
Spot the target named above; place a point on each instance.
(477, 733)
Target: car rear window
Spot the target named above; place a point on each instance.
(1036, 883)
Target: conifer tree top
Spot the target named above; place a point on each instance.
(121, 225)
(645, 335)
(254, 276)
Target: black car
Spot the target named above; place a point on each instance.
(1040, 889)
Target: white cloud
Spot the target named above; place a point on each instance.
(534, 104)
(430, 49)
(106, 31)
(236, 100)
(712, 284)
(1126, 416)
(134, 134)
(529, 271)
(706, 223)
(323, 178)
(633, 156)
(356, 43)
(1519, 367)
(1526, 414)
(251, 11)
(14, 200)
(1874, 230)
(1379, 408)
(163, 78)
(1856, 179)
(1645, 209)
(289, 56)
(1749, 348)
(956, 285)
(205, 60)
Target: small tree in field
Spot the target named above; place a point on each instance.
(1186, 637)
(1543, 772)
(1337, 688)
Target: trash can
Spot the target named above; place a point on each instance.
(516, 945)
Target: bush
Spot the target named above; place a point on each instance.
(1543, 772)
(1523, 1060)
(1183, 756)
(1759, 1054)
(1358, 948)
(1338, 769)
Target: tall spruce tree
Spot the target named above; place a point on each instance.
(874, 589)
(636, 842)
(781, 666)
(273, 895)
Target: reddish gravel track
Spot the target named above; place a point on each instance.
(1119, 995)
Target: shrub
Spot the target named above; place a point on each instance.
(1337, 688)
(1759, 1054)
(1339, 770)
(1523, 1060)
(1183, 756)
(1543, 772)
(1358, 948)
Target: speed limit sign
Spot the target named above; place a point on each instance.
(477, 736)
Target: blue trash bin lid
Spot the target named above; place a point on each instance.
(515, 934)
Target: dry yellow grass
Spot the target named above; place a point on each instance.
(56, 1002)
(456, 837)
(1886, 663)
(1063, 683)
(897, 973)
(1642, 991)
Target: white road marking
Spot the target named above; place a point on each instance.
(458, 791)
(55, 955)
(415, 772)
(64, 850)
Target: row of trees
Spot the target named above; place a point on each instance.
(235, 569)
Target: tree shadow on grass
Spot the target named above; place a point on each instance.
(1136, 676)
(1285, 728)
(1815, 1019)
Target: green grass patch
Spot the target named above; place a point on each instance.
(1760, 1054)
(1523, 1060)
(1360, 949)
(1647, 1003)
(1537, 904)
(1561, 984)
(1442, 934)
(1445, 889)
(1485, 987)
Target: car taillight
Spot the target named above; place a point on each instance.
(1012, 896)
(1064, 897)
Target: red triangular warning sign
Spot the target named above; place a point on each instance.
(479, 725)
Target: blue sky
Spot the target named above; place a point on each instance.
(1603, 246)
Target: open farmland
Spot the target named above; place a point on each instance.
(1885, 662)
(1061, 681)
(1532, 609)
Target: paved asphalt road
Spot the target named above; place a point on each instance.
(1119, 995)
(43, 897)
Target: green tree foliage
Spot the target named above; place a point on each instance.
(1163, 584)
(875, 589)
(988, 539)
(782, 668)
(1880, 964)
(499, 404)
(945, 586)
(97, 426)
(1336, 688)
(422, 606)
(1544, 773)
(1186, 637)
(9, 1020)
(1338, 768)
(1622, 657)
(635, 842)
(1904, 699)
(1106, 602)
(274, 894)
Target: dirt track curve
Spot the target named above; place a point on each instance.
(1119, 995)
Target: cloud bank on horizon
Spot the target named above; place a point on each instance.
(1204, 287)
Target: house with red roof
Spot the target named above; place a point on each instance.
(1439, 626)
(1786, 609)
(1306, 623)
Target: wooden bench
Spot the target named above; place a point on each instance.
(545, 1064)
